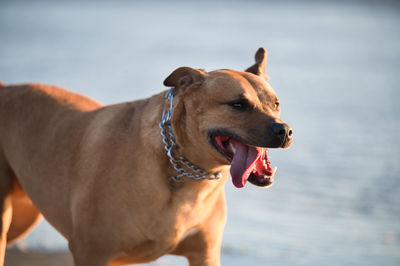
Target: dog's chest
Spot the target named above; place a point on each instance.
(163, 233)
(178, 222)
(174, 224)
(162, 229)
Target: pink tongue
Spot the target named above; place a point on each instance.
(243, 162)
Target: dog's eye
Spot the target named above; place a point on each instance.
(240, 105)
(276, 106)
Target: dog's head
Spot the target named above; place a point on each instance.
(229, 117)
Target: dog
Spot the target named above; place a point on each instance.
(130, 182)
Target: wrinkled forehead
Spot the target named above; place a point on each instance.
(235, 83)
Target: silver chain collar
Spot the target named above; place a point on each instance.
(179, 163)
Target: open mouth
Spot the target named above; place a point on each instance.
(248, 163)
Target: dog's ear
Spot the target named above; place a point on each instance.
(185, 76)
(261, 61)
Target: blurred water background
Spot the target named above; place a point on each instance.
(334, 65)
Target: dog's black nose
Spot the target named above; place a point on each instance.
(282, 131)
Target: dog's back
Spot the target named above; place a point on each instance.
(32, 107)
(25, 109)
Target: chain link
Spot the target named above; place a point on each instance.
(179, 163)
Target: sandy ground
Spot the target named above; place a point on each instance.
(37, 258)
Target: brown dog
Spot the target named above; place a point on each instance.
(123, 187)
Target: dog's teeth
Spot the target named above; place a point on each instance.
(232, 147)
(274, 170)
(265, 161)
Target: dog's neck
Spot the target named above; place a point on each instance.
(182, 166)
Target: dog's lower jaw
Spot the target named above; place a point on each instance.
(262, 182)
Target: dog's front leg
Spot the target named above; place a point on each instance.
(89, 248)
(200, 250)
(87, 255)
(202, 246)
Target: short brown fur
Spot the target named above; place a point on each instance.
(99, 174)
